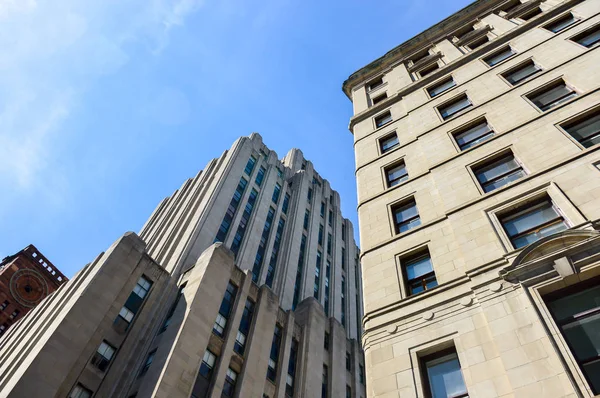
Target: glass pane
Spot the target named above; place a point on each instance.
(499, 167)
(586, 128)
(534, 236)
(551, 95)
(409, 225)
(584, 337)
(455, 107)
(591, 38)
(445, 378)
(501, 56)
(441, 87)
(522, 73)
(406, 212)
(418, 267)
(592, 371)
(576, 303)
(473, 133)
(503, 181)
(562, 23)
(538, 216)
(389, 143)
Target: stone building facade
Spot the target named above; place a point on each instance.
(478, 182)
(243, 283)
(26, 278)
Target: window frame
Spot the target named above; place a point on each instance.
(99, 360)
(402, 203)
(369, 84)
(439, 354)
(517, 67)
(383, 115)
(469, 126)
(576, 20)
(548, 86)
(379, 98)
(576, 119)
(386, 137)
(395, 164)
(440, 83)
(574, 38)
(485, 59)
(409, 259)
(451, 101)
(492, 159)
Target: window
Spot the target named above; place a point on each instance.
(577, 314)
(320, 237)
(229, 385)
(329, 244)
(231, 210)
(376, 83)
(459, 34)
(441, 87)
(415, 58)
(388, 142)
(3, 328)
(225, 310)
(274, 355)
(80, 391)
(450, 109)
(324, 382)
(521, 72)
(473, 134)
(361, 373)
(327, 276)
(443, 375)
(276, 193)
(275, 252)
(343, 232)
(132, 305)
(326, 342)
(426, 71)
(279, 172)
(299, 269)
(240, 340)
(532, 222)
(330, 219)
(478, 43)
(260, 176)
(561, 23)
(348, 392)
(588, 38)
(396, 174)
(343, 258)
(528, 15)
(317, 284)
(262, 246)
(309, 195)
(498, 172)
(286, 203)
(419, 273)
(241, 231)
(586, 129)
(376, 100)
(4, 305)
(551, 96)
(167, 321)
(322, 209)
(343, 303)
(406, 216)
(348, 362)
(14, 314)
(383, 119)
(147, 364)
(142, 286)
(103, 355)
(250, 165)
(499, 56)
(289, 383)
(306, 219)
(208, 363)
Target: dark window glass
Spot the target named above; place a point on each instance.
(132, 305)
(291, 376)
(561, 23)
(167, 321)
(361, 374)
(260, 176)
(250, 165)
(499, 56)
(343, 303)
(348, 362)
(324, 383)
(262, 246)
(528, 15)
(149, 360)
(326, 341)
(452, 108)
(344, 232)
(426, 71)
(299, 269)
(589, 38)
(499, 172)
(343, 258)
(586, 130)
(275, 252)
(532, 222)
(327, 276)
(552, 96)
(240, 340)
(578, 317)
(79, 391)
(225, 310)
(419, 273)
(330, 219)
(396, 174)
(521, 72)
(373, 84)
(348, 392)
(208, 363)
(383, 119)
(329, 244)
(441, 87)
(241, 231)
(322, 209)
(286, 203)
(406, 216)
(103, 356)
(419, 56)
(379, 98)
(306, 219)
(388, 142)
(473, 135)
(229, 385)
(276, 193)
(317, 284)
(4, 305)
(310, 194)
(274, 355)
(231, 209)
(320, 237)
(478, 43)
(444, 377)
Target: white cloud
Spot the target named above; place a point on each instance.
(52, 51)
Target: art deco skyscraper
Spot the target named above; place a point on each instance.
(478, 171)
(245, 282)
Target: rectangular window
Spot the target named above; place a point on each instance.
(291, 376)
(260, 176)
(102, 356)
(406, 216)
(79, 391)
(309, 196)
(14, 314)
(528, 15)
(231, 210)
(329, 244)
(586, 129)
(478, 43)
(320, 237)
(322, 209)
(241, 231)
(348, 362)
(324, 383)
(473, 134)
(375, 83)
(380, 98)
(388, 142)
(326, 341)
(306, 219)
(415, 58)
(229, 385)
(588, 38)
(343, 258)
(428, 70)
(443, 375)
(4, 305)
(276, 193)
(521, 72)
(208, 364)
(286, 203)
(441, 87)
(343, 232)
(275, 252)
(450, 109)
(327, 276)
(561, 23)
(299, 270)
(578, 316)
(132, 305)
(167, 321)
(498, 172)
(532, 222)
(551, 96)
(383, 119)
(330, 219)
(396, 174)
(317, 285)
(225, 310)
(274, 355)
(240, 340)
(250, 165)
(3, 328)
(348, 392)
(361, 374)
(343, 303)
(262, 246)
(499, 56)
(147, 363)
(419, 273)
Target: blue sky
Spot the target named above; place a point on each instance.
(107, 106)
